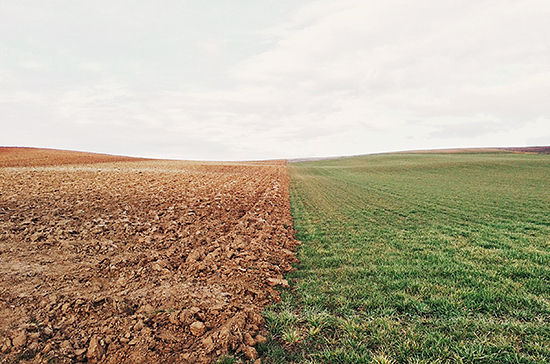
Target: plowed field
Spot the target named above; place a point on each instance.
(139, 261)
(34, 157)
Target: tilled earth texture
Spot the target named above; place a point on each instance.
(34, 157)
(140, 262)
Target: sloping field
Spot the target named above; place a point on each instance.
(34, 157)
(138, 262)
(527, 150)
(419, 258)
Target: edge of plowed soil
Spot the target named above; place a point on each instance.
(146, 261)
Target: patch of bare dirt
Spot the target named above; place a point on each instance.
(141, 262)
(34, 157)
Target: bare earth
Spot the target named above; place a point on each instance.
(138, 261)
(34, 157)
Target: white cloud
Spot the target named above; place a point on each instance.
(274, 79)
(91, 66)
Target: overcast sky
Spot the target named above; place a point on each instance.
(261, 79)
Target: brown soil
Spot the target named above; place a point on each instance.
(34, 157)
(140, 262)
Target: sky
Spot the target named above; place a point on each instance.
(269, 79)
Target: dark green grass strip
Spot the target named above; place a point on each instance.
(415, 258)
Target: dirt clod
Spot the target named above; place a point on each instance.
(249, 352)
(95, 350)
(277, 282)
(260, 339)
(19, 340)
(197, 328)
(248, 340)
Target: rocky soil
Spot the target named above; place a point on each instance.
(140, 262)
(34, 157)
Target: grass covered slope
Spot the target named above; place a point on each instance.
(419, 258)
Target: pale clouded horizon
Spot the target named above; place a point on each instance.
(245, 80)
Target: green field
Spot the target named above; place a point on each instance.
(418, 258)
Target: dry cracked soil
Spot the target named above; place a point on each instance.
(108, 259)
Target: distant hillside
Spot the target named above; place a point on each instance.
(455, 150)
(30, 157)
(537, 150)
(531, 150)
(312, 159)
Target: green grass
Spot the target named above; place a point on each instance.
(418, 258)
